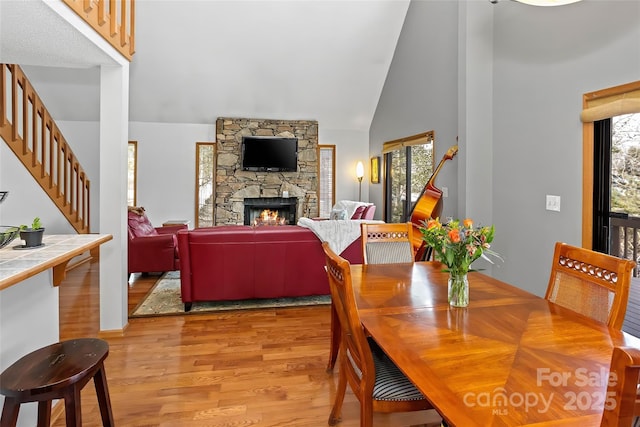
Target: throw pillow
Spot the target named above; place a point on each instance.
(359, 212)
(338, 214)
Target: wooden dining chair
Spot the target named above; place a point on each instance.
(375, 380)
(591, 283)
(382, 243)
(625, 368)
(386, 243)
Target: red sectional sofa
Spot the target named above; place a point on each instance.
(236, 262)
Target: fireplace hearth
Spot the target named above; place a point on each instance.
(284, 206)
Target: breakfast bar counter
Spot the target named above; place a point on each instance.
(18, 264)
(30, 296)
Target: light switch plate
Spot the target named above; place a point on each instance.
(553, 203)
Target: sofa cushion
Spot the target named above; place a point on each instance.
(338, 214)
(369, 212)
(357, 214)
(139, 225)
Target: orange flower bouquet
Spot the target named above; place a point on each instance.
(457, 244)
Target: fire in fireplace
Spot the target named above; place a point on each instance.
(268, 217)
(270, 210)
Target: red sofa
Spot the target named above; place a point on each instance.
(151, 249)
(241, 262)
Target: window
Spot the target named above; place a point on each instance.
(616, 191)
(205, 184)
(598, 109)
(132, 172)
(327, 179)
(408, 164)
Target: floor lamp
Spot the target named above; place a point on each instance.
(359, 175)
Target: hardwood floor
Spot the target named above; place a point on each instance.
(246, 368)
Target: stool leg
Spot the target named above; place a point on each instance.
(102, 390)
(10, 412)
(44, 413)
(72, 407)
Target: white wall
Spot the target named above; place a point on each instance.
(26, 200)
(420, 92)
(539, 79)
(29, 319)
(351, 147)
(544, 60)
(166, 167)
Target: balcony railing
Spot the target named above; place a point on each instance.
(625, 237)
(112, 19)
(33, 136)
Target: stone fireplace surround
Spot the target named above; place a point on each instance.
(233, 185)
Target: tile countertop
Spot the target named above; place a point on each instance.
(18, 265)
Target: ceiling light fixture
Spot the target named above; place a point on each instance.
(547, 2)
(542, 2)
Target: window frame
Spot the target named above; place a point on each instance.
(406, 144)
(134, 173)
(599, 105)
(332, 149)
(198, 203)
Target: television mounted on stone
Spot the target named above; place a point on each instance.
(269, 154)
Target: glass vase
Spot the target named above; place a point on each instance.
(458, 289)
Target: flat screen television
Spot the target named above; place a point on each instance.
(270, 154)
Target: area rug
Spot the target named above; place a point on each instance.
(164, 299)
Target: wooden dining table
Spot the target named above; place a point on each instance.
(510, 358)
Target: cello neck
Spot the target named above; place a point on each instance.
(451, 152)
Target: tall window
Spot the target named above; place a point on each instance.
(327, 179)
(610, 137)
(616, 192)
(205, 184)
(408, 166)
(132, 172)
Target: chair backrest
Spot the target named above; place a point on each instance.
(591, 283)
(361, 371)
(622, 387)
(139, 225)
(386, 243)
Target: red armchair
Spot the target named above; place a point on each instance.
(151, 249)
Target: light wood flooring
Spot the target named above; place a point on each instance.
(247, 368)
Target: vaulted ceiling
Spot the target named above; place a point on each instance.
(197, 60)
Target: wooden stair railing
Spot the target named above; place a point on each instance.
(114, 20)
(33, 136)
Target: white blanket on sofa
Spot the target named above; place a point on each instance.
(339, 233)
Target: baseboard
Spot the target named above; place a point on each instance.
(113, 333)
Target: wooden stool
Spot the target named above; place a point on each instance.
(58, 371)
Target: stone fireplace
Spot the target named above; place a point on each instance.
(234, 185)
(284, 206)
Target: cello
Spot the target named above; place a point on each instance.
(428, 205)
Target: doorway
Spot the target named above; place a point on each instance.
(616, 190)
(609, 130)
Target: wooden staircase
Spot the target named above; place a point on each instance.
(28, 129)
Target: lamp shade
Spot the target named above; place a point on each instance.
(359, 170)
